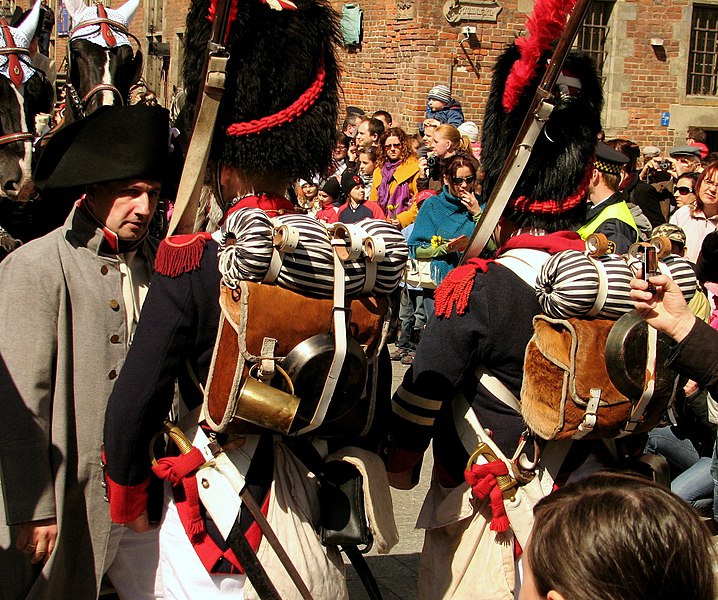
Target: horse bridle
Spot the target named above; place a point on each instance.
(79, 105)
(20, 136)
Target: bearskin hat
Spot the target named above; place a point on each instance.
(563, 153)
(282, 70)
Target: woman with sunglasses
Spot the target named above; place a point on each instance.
(684, 191)
(444, 219)
(394, 181)
(699, 218)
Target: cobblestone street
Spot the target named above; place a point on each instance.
(397, 573)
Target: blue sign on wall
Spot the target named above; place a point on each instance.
(63, 20)
(665, 119)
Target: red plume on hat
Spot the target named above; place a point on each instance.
(544, 27)
(554, 179)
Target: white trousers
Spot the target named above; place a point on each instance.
(132, 564)
(183, 575)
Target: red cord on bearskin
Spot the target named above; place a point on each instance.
(295, 110)
(544, 27)
(532, 206)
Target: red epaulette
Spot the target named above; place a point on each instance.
(454, 291)
(181, 253)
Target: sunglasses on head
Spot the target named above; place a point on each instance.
(460, 180)
(392, 145)
(683, 190)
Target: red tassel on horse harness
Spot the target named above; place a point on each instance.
(482, 480)
(105, 28)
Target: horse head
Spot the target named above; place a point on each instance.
(24, 93)
(101, 63)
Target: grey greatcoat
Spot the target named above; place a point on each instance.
(63, 340)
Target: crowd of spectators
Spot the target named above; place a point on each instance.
(426, 179)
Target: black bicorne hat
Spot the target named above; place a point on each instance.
(111, 144)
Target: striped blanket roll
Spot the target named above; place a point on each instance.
(308, 268)
(568, 283)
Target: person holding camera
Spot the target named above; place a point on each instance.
(643, 199)
(684, 159)
(655, 167)
(447, 141)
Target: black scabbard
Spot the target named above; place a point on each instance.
(250, 563)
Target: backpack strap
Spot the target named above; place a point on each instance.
(525, 263)
(651, 364)
(602, 287)
(497, 388)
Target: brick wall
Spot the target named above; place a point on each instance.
(400, 61)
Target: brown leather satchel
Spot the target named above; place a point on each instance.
(585, 378)
(254, 312)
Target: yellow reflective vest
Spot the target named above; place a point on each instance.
(619, 211)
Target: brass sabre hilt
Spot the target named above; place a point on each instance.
(506, 483)
(176, 435)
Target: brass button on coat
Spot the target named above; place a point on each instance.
(112, 374)
(114, 304)
(115, 339)
(104, 269)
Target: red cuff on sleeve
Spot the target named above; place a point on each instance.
(127, 502)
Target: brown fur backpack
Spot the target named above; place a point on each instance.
(305, 314)
(596, 377)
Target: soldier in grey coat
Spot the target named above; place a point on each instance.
(69, 303)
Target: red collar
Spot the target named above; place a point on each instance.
(551, 242)
(272, 204)
(454, 291)
(111, 244)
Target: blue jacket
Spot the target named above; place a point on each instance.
(451, 114)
